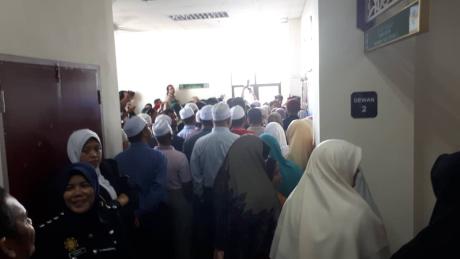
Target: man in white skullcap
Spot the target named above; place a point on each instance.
(205, 116)
(188, 117)
(180, 190)
(207, 157)
(177, 142)
(193, 106)
(146, 169)
(238, 121)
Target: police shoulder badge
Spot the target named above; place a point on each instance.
(71, 244)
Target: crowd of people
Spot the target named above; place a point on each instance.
(215, 179)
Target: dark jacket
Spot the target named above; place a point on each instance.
(97, 235)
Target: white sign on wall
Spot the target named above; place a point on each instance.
(376, 7)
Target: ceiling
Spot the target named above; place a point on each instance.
(153, 15)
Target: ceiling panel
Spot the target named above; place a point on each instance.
(138, 15)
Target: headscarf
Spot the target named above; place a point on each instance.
(277, 131)
(282, 112)
(275, 117)
(290, 172)
(75, 144)
(246, 203)
(301, 141)
(84, 169)
(440, 238)
(324, 217)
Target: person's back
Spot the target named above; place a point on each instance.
(255, 119)
(147, 170)
(207, 157)
(206, 122)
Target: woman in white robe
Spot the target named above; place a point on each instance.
(325, 217)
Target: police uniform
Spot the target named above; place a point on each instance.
(72, 236)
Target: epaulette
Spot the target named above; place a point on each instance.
(50, 221)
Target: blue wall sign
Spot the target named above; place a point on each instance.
(364, 105)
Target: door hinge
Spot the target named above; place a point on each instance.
(99, 96)
(2, 101)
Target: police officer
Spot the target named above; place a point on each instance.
(87, 227)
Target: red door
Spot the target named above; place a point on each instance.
(43, 103)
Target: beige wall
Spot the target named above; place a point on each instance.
(437, 103)
(74, 31)
(387, 141)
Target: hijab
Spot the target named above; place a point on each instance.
(75, 144)
(277, 131)
(275, 117)
(290, 172)
(440, 238)
(324, 217)
(245, 202)
(87, 171)
(301, 141)
(245, 165)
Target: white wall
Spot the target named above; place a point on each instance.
(437, 92)
(220, 56)
(67, 30)
(388, 140)
(309, 60)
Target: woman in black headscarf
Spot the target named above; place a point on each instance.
(441, 237)
(87, 227)
(246, 205)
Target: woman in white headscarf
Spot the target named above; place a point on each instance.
(325, 217)
(277, 131)
(84, 145)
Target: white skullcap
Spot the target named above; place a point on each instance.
(161, 128)
(134, 126)
(193, 106)
(197, 117)
(146, 117)
(220, 112)
(206, 113)
(163, 117)
(186, 113)
(237, 112)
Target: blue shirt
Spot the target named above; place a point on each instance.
(208, 155)
(146, 169)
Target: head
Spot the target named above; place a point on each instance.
(170, 90)
(238, 116)
(255, 117)
(84, 145)
(275, 117)
(206, 116)
(172, 114)
(144, 136)
(339, 159)
(137, 130)
(293, 107)
(221, 115)
(274, 104)
(17, 235)
(187, 115)
(279, 98)
(163, 132)
(79, 188)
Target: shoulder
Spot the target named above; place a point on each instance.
(55, 222)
